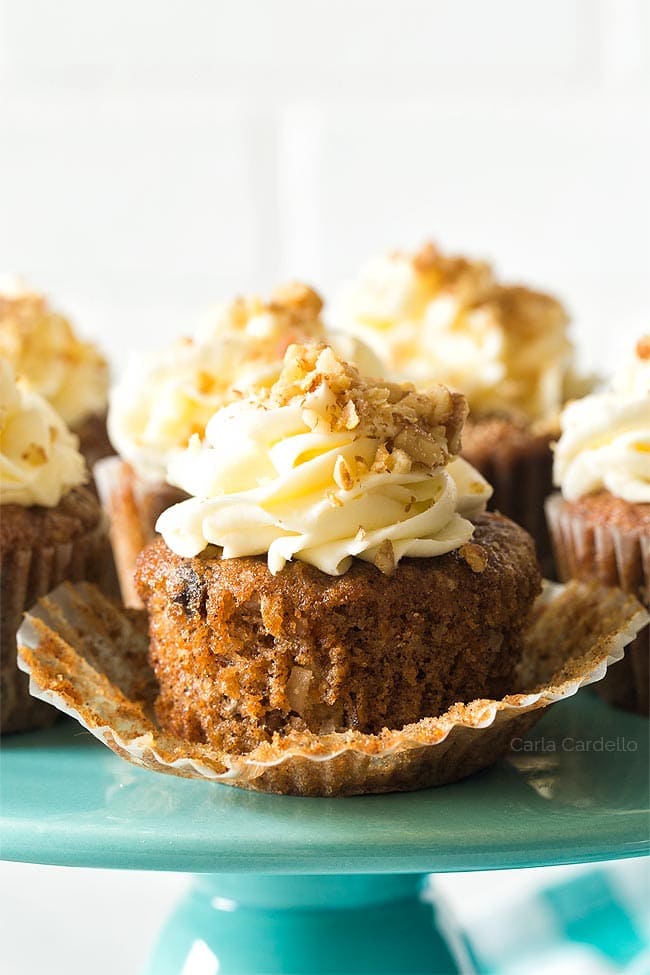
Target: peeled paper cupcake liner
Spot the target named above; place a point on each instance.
(28, 574)
(584, 550)
(133, 505)
(89, 658)
(521, 482)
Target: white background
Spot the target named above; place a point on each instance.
(159, 155)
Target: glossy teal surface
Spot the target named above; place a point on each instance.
(576, 790)
(246, 925)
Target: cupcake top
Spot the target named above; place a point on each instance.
(325, 466)
(39, 460)
(431, 317)
(41, 345)
(165, 398)
(605, 442)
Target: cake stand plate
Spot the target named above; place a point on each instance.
(328, 885)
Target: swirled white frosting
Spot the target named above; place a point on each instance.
(41, 346)
(39, 460)
(605, 441)
(282, 478)
(165, 398)
(432, 318)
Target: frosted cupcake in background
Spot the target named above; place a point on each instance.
(600, 522)
(71, 374)
(167, 397)
(51, 529)
(435, 318)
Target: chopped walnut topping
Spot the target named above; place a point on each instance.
(469, 281)
(342, 473)
(475, 556)
(385, 557)
(297, 300)
(295, 309)
(349, 416)
(423, 429)
(35, 454)
(427, 257)
(205, 383)
(643, 347)
(523, 312)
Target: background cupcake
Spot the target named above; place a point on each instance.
(71, 374)
(166, 398)
(600, 524)
(51, 529)
(435, 318)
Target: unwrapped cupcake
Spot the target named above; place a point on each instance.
(167, 397)
(71, 374)
(51, 529)
(333, 568)
(600, 523)
(435, 318)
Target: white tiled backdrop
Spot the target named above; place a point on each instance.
(158, 155)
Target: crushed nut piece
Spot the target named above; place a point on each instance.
(385, 557)
(297, 299)
(349, 416)
(643, 347)
(427, 257)
(342, 473)
(35, 455)
(475, 556)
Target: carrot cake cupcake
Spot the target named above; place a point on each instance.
(71, 374)
(600, 523)
(166, 398)
(333, 567)
(435, 318)
(51, 529)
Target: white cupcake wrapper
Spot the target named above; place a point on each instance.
(88, 658)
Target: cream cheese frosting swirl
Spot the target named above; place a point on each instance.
(431, 317)
(326, 467)
(42, 347)
(605, 441)
(39, 460)
(165, 398)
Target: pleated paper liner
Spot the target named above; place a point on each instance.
(89, 658)
(27, 574)
(133, 505)
(584, 550)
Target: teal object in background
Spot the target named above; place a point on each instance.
(295, 882)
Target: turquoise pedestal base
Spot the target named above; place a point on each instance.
(261, 925)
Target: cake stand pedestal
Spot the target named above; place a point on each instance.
(328, 885)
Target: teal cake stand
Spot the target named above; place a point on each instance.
(328, 885)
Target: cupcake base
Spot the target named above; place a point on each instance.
(93, 439)
(41, 547)
(518, 463)
(89, 658)
(240, 653)
(603, 539)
